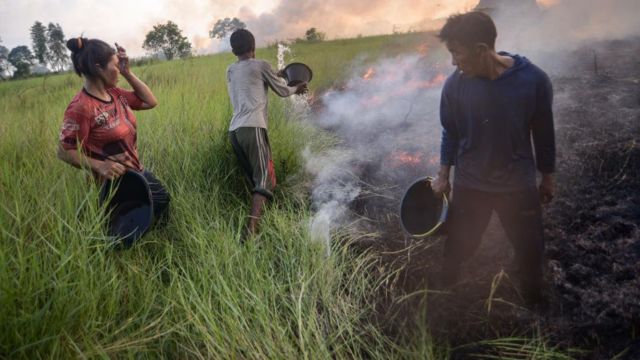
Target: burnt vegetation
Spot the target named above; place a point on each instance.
(591, 229)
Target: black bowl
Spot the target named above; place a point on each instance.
(130, 207)
(421, 212)
(297, 73)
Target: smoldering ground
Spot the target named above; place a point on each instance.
(389, 134)
(387, 113)
(387, 119)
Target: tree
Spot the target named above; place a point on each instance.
(168, 40)
(21, 58)
(4, 63)
(314, 35)
(225, 26)
(39, 41)
(58, 57)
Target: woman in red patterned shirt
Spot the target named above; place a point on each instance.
(99, 131)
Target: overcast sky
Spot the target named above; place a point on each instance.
(127, 22)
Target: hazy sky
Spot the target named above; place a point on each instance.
(127, 22)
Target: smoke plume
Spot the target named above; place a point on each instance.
(548, 34)
(291, 18)
(386, 118)
(387, 115)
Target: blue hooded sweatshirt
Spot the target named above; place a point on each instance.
(489, 127)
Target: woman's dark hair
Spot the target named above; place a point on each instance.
(469, 28)
(86, 53)
(242, 42)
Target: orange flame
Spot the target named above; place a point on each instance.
(412, 85)
(438, 80)
(369, 74)
(423, 49)
(403, 158)
(435, 81)
(372, 101)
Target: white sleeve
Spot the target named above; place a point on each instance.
(276, 83)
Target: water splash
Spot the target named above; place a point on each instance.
(299, 108)
(283, 49)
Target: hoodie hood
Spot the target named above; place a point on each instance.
(519, 63)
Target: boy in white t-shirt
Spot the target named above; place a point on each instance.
(248, 81)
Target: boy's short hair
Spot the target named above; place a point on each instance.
(469, 28)
(242, 42)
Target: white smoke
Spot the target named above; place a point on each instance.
(334, 189)
(387, 115)
(548, 35)
(386, 118)
(290, 19)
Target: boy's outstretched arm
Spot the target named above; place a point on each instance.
(277, 83)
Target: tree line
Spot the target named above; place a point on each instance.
(49, 50)
(166, 40)
(48, 46)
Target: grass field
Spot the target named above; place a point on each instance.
(189, 290)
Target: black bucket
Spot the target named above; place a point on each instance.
(423, 214)
(297, 73)
(130, 207)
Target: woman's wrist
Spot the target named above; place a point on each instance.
(129, 76)
(92, 164)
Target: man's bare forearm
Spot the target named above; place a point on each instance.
(444, 171)
(440, 184)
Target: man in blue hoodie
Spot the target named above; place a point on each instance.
(496, 108)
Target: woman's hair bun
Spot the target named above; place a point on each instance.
(76, 44)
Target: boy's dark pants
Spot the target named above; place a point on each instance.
(521, 217)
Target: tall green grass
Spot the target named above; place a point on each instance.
(189, 290)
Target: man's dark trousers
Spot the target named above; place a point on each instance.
(521, 217)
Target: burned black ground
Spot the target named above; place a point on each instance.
(591, 228)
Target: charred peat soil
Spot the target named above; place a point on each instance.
(591, 229)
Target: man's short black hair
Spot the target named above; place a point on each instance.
(469, 28)
(242, 42)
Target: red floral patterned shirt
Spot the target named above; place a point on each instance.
(102, 129)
